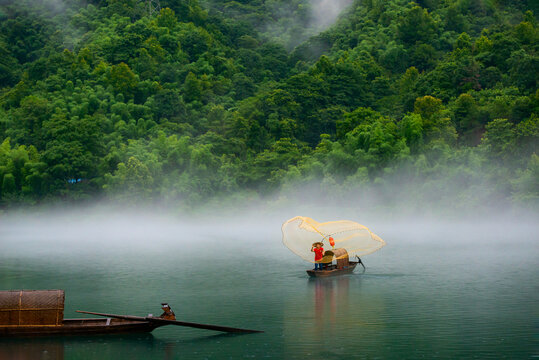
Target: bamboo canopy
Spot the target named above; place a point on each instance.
(341, 255)
(31, 307)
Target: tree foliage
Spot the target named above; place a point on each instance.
(208, 99)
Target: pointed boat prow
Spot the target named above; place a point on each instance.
(162, 322)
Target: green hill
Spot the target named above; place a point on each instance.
(204, 100)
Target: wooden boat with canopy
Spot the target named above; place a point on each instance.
(345, 237)
(41, 313)
(342, 264)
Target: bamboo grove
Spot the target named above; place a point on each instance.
(216, 99)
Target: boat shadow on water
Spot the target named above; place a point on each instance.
(60, 348)
(55, 348)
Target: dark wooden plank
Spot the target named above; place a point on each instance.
(333, 271)
(175, 322)
(80, 327)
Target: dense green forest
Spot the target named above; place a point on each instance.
(217, 99)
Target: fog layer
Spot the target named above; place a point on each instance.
(97, 229)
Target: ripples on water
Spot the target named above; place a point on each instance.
(434, 295)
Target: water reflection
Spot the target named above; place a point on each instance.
(41, 349)
(314, 314)
(117, 346)
(331, 301)
(82, 347)
(335, 317)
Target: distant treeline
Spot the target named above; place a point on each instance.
(100, 98)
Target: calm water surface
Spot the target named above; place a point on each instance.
(428, 294)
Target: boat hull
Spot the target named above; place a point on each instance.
(80, 327)
(333, 271)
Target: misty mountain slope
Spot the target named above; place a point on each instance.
(286, 22)
(202, 101)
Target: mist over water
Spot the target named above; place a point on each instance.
(103, 225)
(440, 288)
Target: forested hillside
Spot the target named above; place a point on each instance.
(216, 99)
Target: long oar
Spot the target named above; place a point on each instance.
(174, 322)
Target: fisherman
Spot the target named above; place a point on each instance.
(318, 251)
(167, 314)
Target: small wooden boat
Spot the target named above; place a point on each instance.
(40, 313)
(332, 270)
(81, 327)
(305, 236)
(342, 266)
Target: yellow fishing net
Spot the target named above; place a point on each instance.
(301, 232)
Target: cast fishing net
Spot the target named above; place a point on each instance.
(301, 232)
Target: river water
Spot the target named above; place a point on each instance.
(466, 290)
